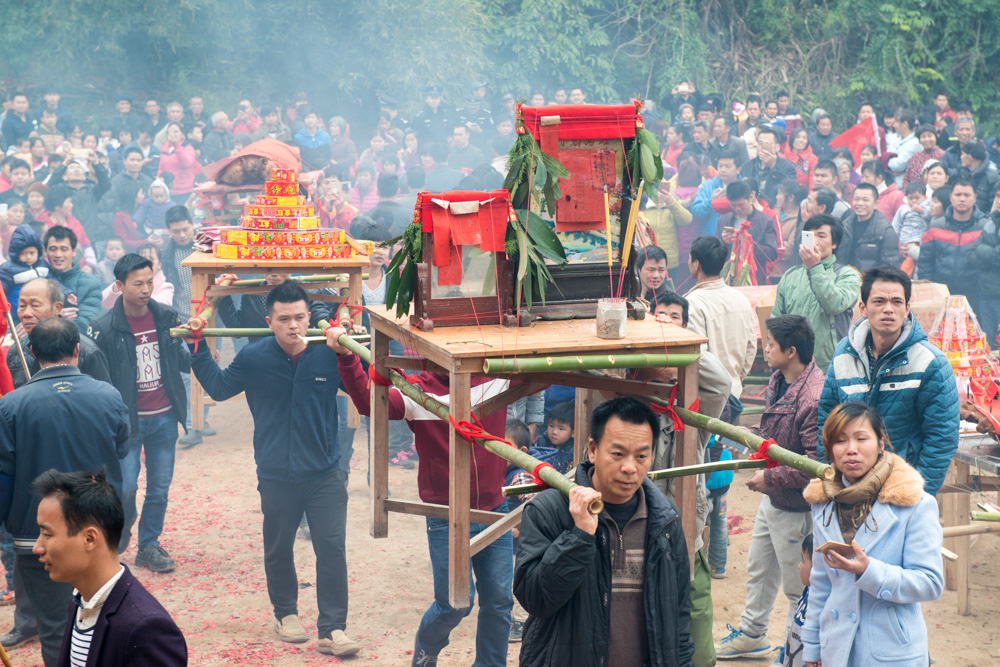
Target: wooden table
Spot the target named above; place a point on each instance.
(459, 352)
(205, 267)
(975, 467)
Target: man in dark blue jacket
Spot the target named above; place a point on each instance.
(291, 389)
(65, 420)
(617, 584)
(113, 619)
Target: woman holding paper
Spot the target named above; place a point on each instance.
(880, 538)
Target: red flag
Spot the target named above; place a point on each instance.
(857, 137)
(6, 381)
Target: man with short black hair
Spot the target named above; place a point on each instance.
(820, 289)
(720, 313)
(124, 118)
(18, 123)
(701, 132)
(783, 518)
(745, 225)
(723, 140)
(20, 179)
(768, 168)
(887, 362)
(389, 212)
(727, 164)
(651, 263)
(132, 164)
(869, 239)
(291, 389)
(890, 197)
(440, 176)
(113, 619)
(980, 172)
(463, 155)
(947, 247)
(611, 584)
(146, 368)
(60, 249)
(65, 420)
(820, 136)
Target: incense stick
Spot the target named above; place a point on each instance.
(607, 228)
(633, 215)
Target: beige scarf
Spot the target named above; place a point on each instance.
(854, 502)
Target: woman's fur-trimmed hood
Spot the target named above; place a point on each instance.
(903, 488)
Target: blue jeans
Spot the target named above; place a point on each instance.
(493, 568)
(718, 525)
(158, 436)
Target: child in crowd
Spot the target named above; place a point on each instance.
(912, 220)
(105, 269)
(151, 213)
(718, 490)
(791, 653)
(555, 444)
(25, 263)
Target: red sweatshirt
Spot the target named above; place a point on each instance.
(430, 434)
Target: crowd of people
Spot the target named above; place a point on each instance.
(95, 227)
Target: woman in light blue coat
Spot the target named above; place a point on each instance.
(864, 607)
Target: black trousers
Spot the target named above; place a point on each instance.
(324, 502)
(50, 600)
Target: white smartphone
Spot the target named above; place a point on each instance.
(809, 240)
(3, 209)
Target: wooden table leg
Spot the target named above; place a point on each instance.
(378, 459)
(199, 285)
(686, 448)
(586, 400)
(949, 516)
(459, 461)
(963, 544)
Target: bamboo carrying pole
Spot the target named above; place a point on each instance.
(984, 516)
(668, 473)
(586, 362)
(972, 529)
(751, 441)
(549, 475)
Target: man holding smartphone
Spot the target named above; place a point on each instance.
(820, 290)
(768, 168)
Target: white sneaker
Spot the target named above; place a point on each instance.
(738, 644)
(289, 629)
(338, 643)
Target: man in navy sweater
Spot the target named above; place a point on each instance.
(291, 389)
(65, 420)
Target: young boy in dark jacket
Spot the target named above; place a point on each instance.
(25, 263)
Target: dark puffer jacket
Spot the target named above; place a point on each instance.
(985, 180)
(986, 256)
(562, 576)
(946, 251)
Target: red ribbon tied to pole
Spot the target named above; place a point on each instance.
(471, 431)
(669, 409)
(761, 454)
(538, 480)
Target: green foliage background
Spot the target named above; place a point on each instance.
(831, 53)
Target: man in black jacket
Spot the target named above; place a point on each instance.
(40, 299)
(65, 420)
(768, 168)
(986, 260)
(146, 369)
(869, 239)
(611, 589)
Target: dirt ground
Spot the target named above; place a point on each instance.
(218, 594)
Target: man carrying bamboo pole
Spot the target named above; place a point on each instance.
(493, 566)
(291, 389)
(783, 518)
(609, 589)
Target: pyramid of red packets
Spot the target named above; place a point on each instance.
(957, 333)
